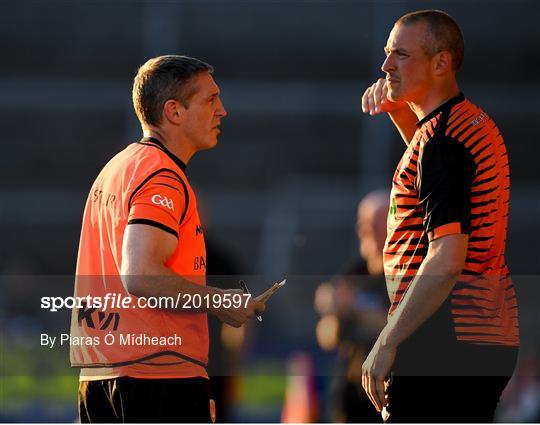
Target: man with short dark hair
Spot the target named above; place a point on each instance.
(451, 342)
(142, 240)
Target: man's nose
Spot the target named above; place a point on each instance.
(388, 64)
(221, 110)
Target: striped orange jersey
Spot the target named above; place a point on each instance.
(143, 184)
(454, 179)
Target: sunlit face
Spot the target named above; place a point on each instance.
(408, 68)
(204, 113)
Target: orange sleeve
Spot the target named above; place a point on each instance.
(446, 229)
(160, 201)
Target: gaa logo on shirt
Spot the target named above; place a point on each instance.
(163, 201)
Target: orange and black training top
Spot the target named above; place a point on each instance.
(454, 178)
(144, 184)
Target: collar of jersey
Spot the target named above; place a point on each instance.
(152, 141)
(449, 103)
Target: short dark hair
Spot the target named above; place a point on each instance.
(163, 78)
(444, 33)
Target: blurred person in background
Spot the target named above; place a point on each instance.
(142, 236)
(353, 309)
(452, 337)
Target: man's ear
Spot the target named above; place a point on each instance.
(173, 112)
(442, 62)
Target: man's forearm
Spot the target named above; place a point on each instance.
(425, 295)
(165, 283)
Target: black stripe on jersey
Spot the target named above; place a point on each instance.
(470, 297)
(410, 266)
(462, 285)
(472, 249)
(479, 151)
(478, 324)
(172, 178)
(147, 179)
(481, 161)
(476, 261)
(407, 207)
(415, 214)
(469, 137)
(467, 272)
(404, 176)
(480, 238)
(479, 173)
(482, 203)
(409, 186)
(412, 241)
(475, 143)
(473, 307)
(475, 334)
(408, 252)
(455, 121)
(154, 224)
(482, 215)
(165, 184)
(186, 196)
(411, 227)
(462, 132)
(483, 192)
(486, 180)
(155, 173)
(456, 114)
(467, 316)
(480, 226)
(410, 171)
(456, 126)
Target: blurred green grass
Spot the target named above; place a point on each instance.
(33, 373)
(262, 385)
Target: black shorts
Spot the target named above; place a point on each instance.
(131, 400)
(455, 399)
(448, 383)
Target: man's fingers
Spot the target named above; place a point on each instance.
(234, 323)
(379, 384)
(384, 93)
(365, 105)
(364, 386)
(377, 97)
(371, 105)
(260, 307)
(364, 101)
(370, 393)
(373, 382)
